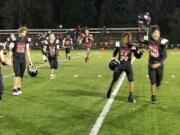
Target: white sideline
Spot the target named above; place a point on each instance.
(102, 116)
(42, 65)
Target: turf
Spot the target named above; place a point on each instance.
(144, 118)
(70, 104)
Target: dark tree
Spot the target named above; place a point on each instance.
(94, 13)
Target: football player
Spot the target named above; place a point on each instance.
(125, 51)
(157, 54)
(79, 32)
(51, 48)
(41, 41)
(19, 49)
(67, 45)
(87, 40)
(3, 61)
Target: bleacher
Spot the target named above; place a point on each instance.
(104, 37)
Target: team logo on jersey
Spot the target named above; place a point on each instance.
(67, 43)
(20, 47)
(52, 50)
(154, 50)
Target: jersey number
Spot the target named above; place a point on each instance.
(124, 56)
(20, 48)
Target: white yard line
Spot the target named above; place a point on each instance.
(42, 65)
(102, 116)
(7, 76)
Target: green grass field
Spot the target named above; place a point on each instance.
(70, 104)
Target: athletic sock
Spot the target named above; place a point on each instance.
(18, 88)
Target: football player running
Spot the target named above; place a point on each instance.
(87, 40)
(41, 41)
(67, 45)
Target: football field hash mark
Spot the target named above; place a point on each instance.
(99, 76)
(75, 76)
(42, 65)
(173, 76)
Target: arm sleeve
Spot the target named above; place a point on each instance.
(115, 52)
(11, 46)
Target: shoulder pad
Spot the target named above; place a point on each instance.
(13, 37)
(134, 47)
(117, 44)
(29, 39)
(164, 41)
(45, 42)
(57, 41)
(146, 38)
(8, 39)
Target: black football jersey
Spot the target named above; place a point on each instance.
(52, 48)
(125, 52)
(157, 50)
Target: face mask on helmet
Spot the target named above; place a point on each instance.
(32, 71)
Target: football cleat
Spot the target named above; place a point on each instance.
(153, 99)
(15, 92)
(52, 77)
(19, 91)
(86, 59)
(109, 93)
(131, 99)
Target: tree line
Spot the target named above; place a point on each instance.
(91, 13)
